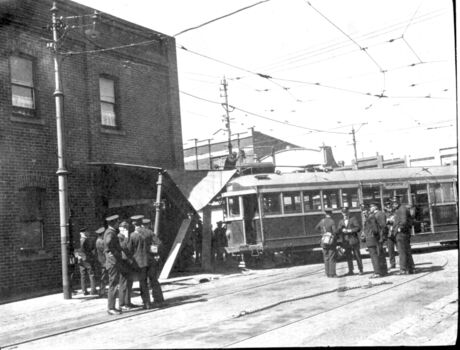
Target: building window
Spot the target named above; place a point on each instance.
(108, 102)
(22, 85)
(31, 214)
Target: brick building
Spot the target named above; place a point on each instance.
(120, 106)
(256, 146)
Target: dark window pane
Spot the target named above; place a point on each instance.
(21, 71)
(271, 202)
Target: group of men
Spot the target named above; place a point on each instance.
(122, 253)
(392, 227)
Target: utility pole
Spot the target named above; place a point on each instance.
(354, 144)
(62, 171)
(209, 152)
(227, 115)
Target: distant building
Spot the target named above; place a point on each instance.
(253, 148)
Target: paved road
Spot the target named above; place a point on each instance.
(295, 306)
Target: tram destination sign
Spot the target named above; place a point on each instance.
(395, 185)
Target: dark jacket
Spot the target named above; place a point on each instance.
(374, 228)
(138, 247)
(112, 248)
(327, 225)
(86, 250)
(100, 250)
(353, 225)
(151, 239)
(402, 220)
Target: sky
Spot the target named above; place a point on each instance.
(308, 72)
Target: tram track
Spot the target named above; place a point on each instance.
(273, 281)
(358, 299)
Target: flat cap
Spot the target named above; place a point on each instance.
(328, 210)
(146, 221)
(100, 230)
(83, 229)
(112, 217)
(136, 217)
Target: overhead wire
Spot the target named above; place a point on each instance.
(219, 18)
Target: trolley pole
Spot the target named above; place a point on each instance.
(62, 171)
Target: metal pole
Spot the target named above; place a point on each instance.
(62, 171)
(209, 151)
(156, 226)
(354, 145)
(224, 83)
(196, 154)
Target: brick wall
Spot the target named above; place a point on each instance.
(149, 126)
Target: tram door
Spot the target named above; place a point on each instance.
(250, 211)
(421, 205)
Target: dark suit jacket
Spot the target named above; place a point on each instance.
(138, 247)
(327, 225)
(353, 225)
(374, 228)
(86, 250)
(112, 248)
(402, 219)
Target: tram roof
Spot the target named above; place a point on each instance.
(343, 178)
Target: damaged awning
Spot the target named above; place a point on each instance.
(201, 186)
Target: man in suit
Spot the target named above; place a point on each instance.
(139, 249)
(402, 230)
(113, 261)
(127, 269)
(86, 262)
(391, 240)
(327, 224)
(348, 229)
(153, 270)
(374, 233)
(101, 259)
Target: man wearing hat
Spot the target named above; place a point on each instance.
(327, 227)
(348, 229)
(101, 259)
(153, 261)
(402, 228)
(374, 231)
(391, 240)
(113, 259)
(220, 242)
(86, 262)
(139, 249)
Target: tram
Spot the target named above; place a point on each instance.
(274, 212)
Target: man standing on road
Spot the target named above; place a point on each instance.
(101, 259)
(139, 249)
(86, 262)
(349, 228)
(373, 231)
(327, 228)
(113, 261)
(128, 267)
(401, 227)
(391, 240)
(153, 244)
(220, 242)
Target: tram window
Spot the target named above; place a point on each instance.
(442, 192)
(291, 202)
(371, 194)
(272, 203)
(400, 192)
(311, 201)
(350, 198)
(234, 206)
(422, 220)
(331, 199)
